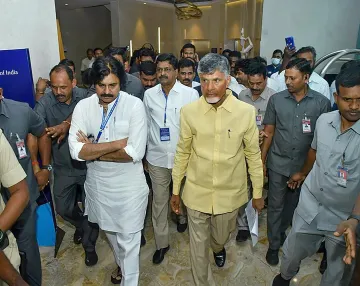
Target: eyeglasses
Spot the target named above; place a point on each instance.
(165, 70)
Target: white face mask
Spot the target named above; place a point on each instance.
(275, 61)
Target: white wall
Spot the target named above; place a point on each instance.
(31, 24)
(84, 28)
(328, 25)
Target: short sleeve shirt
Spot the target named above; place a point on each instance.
(260, 103)
(321, 195)
(290, 143)
(11, 172)
(54, 113)
(17, 120)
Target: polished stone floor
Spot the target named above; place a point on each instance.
(244, 266)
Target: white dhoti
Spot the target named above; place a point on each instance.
(116, 199)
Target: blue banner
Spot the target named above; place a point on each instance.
(16, 76)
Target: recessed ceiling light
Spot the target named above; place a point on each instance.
(144, 3)
(66, 4)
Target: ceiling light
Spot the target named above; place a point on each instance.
(66, 4)
(144, 3)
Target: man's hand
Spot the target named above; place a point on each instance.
(122, 143)
(288, 53)
(81, 137)
(196, 58)
(296, 180)
(36, 168)
(175, 204)
(146, 165)
(60, 131)
(348, 229)
(262, 134)
(258, 204)
(42, 178)
(1, 93)
(41, 85)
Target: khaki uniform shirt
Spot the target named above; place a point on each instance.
(11, 173)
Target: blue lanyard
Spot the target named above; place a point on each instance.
(166, 99)
(105, 120)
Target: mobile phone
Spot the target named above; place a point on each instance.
(290, 43)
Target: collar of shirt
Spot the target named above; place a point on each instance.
(3, 108)
(176, 87)
(309, 94)
(264, 95)
(227, 104)
(315, 78)
(335, 122)
(75, 97)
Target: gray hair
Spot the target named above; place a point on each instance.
(212, 63)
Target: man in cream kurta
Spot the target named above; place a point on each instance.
(115, 186)
(212, 149)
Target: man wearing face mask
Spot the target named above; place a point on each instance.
(163, 104)
(212, 150)
(275, 63)
(69, 175)
(289, 121)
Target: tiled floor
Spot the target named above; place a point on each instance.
(244, 266)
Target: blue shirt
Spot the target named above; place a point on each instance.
(271, 69)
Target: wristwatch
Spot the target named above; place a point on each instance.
(353, 216)
(47, 167)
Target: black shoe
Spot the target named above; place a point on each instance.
(322, 248)
(116, 276)
(78, 234)
(279, 281)
(272, 257)
(323, 264)
(220, 258)
(242, 235)
(160, 254)
(282, 239)
(143, 240)
(181, 227)
(91, 258)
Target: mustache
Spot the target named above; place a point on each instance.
(106, 95)
(148, 86)
(255, 89)
(163, 77)
(186, 80)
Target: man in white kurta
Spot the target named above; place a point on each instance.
(115, 186)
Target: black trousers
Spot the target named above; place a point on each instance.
(67, 190)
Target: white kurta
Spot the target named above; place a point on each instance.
(116, 193)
